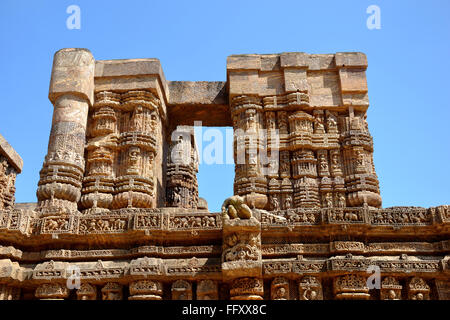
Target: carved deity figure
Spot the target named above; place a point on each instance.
(288, 202)
(331, 122)
(235, 207)
(176, 196)
(137, 119)
(134, 154)
(340, 201)
(275, 204)
(318, 123)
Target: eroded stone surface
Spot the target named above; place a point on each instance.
(118, 196)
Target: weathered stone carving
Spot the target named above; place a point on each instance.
(235, 207)
(418, 289)
(207, 290)
(310, 288)
(351, 286)
(182, 167)
(247, 289)
(87, 292)
(112, 291)
(279, 289)
(146, 290)
(181, 290)
(52, 291)
(118, 189)
(390, 289)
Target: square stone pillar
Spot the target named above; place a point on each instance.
(241, 258)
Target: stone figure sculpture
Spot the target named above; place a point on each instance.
(235, 207)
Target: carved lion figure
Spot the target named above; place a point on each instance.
(235, 207)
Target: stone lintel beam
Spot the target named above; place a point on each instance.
(205, 101)
(336, 81)
(13, 157)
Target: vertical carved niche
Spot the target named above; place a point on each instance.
(304, 162)
(391, 289)
(52, 291)
(146, 290)
(279, 289)
(310, 288)
(71, 92)
(102, 149)
(112, 291)
(87, 292)
(248, 122)
(207, 290)
(351, 287)
(182, 168)
(7, 184)
(360, 177)
(418, 289)
(140, 129)
(181, 290)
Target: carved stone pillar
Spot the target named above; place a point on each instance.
(181, 290)
(112, 291)
(241, 257)
(52, 291)
(207, 290)
(279, 289)
(390, 289)
(310, 288)
(140, 132)
(9, 293)
(71, 92)
(248, 122)
(351, 287)
(418, 289)
(146, 290)
(102, 149)
(182, 168)
(87, 292)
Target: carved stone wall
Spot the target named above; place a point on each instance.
(118, 205)
(10, 165)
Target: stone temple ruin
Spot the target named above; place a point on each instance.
(119, 211)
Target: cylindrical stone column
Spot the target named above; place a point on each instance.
(71, 92)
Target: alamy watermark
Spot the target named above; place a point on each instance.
(74, 20)
(374, 20)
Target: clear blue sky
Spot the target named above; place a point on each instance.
(408, 74)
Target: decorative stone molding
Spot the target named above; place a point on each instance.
(351, 287)
(247, 289)
(418, 289)
(279, 289)
(310, 288)
(207, 290)
(146, 290)
(181, 290)
(52, 291)
(112, 291)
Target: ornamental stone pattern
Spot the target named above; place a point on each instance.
(117, 202)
